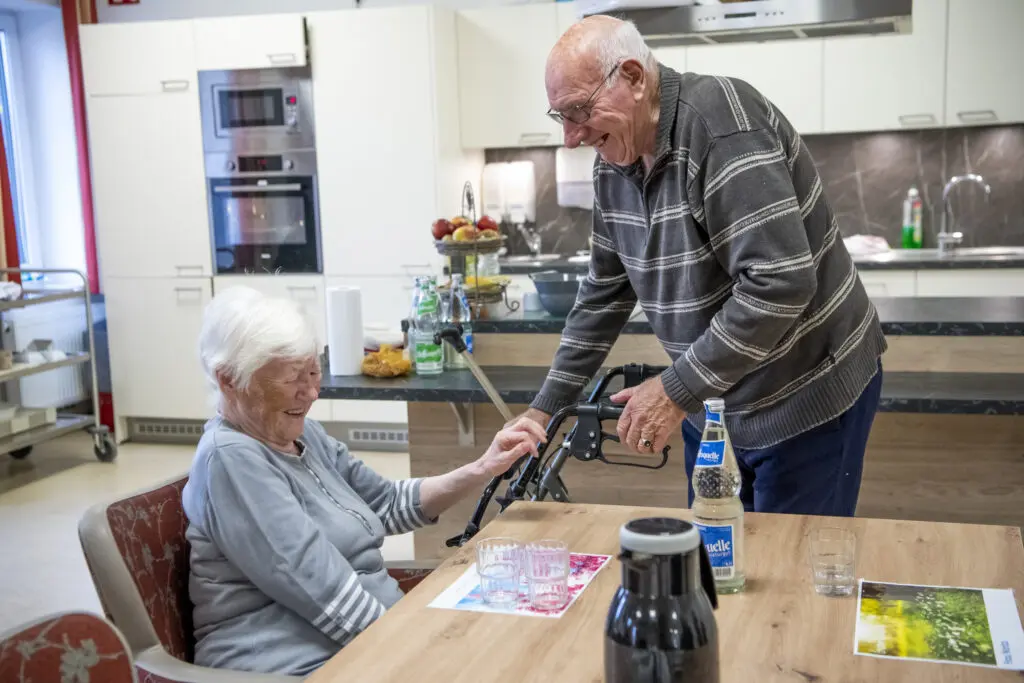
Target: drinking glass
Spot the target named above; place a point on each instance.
(499, 563)
(833, 560)
(547, 574)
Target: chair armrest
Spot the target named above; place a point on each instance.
(167, 669)
(409, 573)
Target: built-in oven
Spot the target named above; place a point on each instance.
(263, 213)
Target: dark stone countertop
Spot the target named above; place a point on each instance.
(902, 392)
(924, 259)
(939, 316)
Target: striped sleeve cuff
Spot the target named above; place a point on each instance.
(350, 612)
(406, 511)
(677, 391)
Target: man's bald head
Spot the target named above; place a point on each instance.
(602, 80)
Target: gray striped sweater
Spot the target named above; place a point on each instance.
(286, 564)
(734, 254)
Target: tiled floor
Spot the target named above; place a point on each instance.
(41, 500)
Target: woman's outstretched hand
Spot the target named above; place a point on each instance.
(513, 442)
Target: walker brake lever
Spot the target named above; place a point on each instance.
(586, 442)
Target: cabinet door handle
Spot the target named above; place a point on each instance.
(281, 58)
(174, 85)
(195, 292)
(302, 288)
(918, 120)
(978, 116)
(186, 270)
(526, 138)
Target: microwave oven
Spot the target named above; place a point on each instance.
(257, 110)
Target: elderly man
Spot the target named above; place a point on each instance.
(710, 212)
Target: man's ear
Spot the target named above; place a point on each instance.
(633, 73)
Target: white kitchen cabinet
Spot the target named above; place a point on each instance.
(306, 290)
(502, 55)
(979, 282)
(250, 42)
(395, 164)
(889, 82)
(984, 54)
(888, 283)
(385, 299)
(153, 327)
(789, 73)
(149, 189)
(672, 57)
(138, 58)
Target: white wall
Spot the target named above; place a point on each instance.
(150, 10)
(57, 218)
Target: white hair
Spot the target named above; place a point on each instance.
(625, 43)
(243, 330)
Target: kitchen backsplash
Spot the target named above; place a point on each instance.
(866, 177)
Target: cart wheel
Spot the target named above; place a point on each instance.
(21, 453)
(107, 451)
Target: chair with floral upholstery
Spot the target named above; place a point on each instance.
(139, 559)
(70, 646)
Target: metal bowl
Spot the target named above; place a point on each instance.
(557, 291)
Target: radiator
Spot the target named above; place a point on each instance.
(62, 322)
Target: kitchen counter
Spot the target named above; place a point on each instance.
(898, 259)
(902, 392)
(996, 316)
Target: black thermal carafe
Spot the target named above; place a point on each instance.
(661, 624)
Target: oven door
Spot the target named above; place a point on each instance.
(265, 225)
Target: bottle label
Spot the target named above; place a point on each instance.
(428, 352)
(468, 341)
(711, 454)
(718, 541)
(711, 416)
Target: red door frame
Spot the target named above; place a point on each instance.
(75, 12)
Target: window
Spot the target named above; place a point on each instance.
(12, 119)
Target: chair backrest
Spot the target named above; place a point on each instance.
(139, 559)
(72, 646)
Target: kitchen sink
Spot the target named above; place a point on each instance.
(530, 258)
(964, 254)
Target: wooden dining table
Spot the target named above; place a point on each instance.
(777, 630)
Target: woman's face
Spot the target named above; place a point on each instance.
(278, 398)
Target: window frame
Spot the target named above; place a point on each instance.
(20, 158)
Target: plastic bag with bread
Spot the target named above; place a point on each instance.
(387, 362)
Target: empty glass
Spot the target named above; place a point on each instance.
(498, 563)
(546, 565)
(833, 561)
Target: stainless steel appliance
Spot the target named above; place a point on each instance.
(260, 156)
(701, 22)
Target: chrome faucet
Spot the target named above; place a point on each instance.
(532, 238)
(948, 241)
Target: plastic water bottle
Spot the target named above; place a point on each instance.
(427, 356)
(717, 509)
(457, 312)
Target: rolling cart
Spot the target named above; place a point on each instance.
(20, 443)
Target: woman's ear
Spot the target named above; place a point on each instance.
(225, 383)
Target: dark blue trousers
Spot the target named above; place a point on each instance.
(815, 473)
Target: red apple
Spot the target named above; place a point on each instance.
(487, 223)
(442, 227)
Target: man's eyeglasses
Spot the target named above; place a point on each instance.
(580, 113)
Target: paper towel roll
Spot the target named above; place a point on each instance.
(344, 330)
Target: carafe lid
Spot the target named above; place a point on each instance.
(659, 536)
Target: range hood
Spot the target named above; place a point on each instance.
(694, 22)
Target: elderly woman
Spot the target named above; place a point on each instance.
(286, 526)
